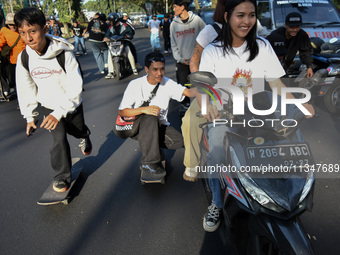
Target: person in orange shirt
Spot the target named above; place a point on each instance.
(8, 35)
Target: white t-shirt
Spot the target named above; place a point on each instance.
(207, 35)
(154, 25)
(233, 69)
(139, 90)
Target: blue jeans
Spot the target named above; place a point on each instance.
(154, 39)
(216, 156)
(81, 41)
(100, 53)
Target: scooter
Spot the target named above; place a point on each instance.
(326, 65)
(267, 180)
(121, 64)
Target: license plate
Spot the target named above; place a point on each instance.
(115, 43)
(285, 155)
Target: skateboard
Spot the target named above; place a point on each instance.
(145, 178)
(50, 197)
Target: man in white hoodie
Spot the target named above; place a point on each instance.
(56, 87)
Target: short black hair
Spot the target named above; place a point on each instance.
(30, 15)
(153, 57)
(186, 3)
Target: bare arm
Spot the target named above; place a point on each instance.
(149, 110)
(196, 58)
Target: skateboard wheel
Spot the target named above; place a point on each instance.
(65, 202)
(163, 181)
(143, 183)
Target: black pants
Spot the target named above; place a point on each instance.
(10, 70)
(167, 45)
(182, 72)
(60, 152)
(152, 136)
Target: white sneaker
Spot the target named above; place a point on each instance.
(166, 52)
(135, 72)
(190, 174)
(102, 72)
(109, 76)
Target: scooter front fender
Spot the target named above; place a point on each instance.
(288, 236)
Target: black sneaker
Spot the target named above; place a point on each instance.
(60, 186)
(212, 218)
(86, 146)
(153, 169)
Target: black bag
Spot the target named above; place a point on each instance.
(129, 126)
(6, 50)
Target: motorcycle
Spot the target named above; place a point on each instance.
(121, 64)
(326, 65)
(261, 208)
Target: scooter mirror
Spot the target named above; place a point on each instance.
(200, 78)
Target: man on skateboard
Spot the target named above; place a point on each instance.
(155, 131)
(42, 79)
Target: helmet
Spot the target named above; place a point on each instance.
(113, 17)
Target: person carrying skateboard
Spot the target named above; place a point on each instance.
(57, 87)
(155, 131)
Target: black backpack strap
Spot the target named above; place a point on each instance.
(217, 28)
(24, 59)
(60, 58)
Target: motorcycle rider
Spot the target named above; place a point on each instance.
(295, 40)
(240, 58)
(119, 28)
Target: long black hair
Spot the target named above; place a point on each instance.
(225, 35)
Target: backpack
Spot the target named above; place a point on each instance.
(60, 58)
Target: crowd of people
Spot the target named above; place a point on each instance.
(229, 46)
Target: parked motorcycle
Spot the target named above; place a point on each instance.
(121, 64)
(261, 207)
(326, 66)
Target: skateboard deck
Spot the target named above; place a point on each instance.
(145, 178)
(50, 197)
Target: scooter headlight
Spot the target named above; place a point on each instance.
(252, 188)
(309, 182)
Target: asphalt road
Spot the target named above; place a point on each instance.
(111, 212)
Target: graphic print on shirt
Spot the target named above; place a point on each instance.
(43, 72)
(96, 27)
(185, 33)
(242, 79)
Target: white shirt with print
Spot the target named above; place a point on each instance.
(139, 90)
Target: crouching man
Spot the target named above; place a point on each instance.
(155, 131)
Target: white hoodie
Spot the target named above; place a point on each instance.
(47, 83)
